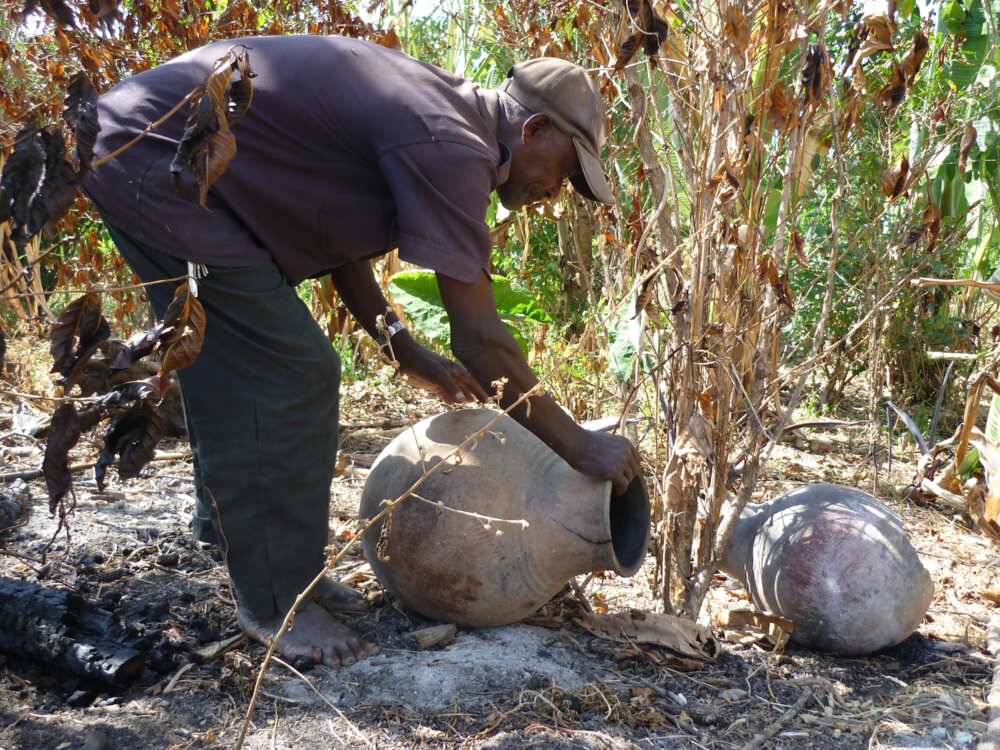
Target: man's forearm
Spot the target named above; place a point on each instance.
(356, 285)
(493, 355)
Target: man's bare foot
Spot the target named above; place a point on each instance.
(314, 635)
(336, 597)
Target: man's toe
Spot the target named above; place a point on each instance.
(346, 653)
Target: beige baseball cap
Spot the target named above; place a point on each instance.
(564, 92)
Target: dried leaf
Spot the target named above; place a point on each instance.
(989, 458)
(914, 57)
(894, 180)
(779, 109)
(240, 91)
(132, 436)
(644, 28)
(63, 435)
(627, 49)
(736, 29)
(932, 225)
(183, 332)
(95, 378)
(207, 144)
(103, 9)
(894, 91)
(3, 347)
(123, 354)
(22, 175)
(784, 292)
(798, 246)
(58, 189)
(877, 37)
(968, 141)
(75, 336)
(57, 10)
(777, 629)
(80, 114)
(388, 38)
(816, 76)
(681, 636)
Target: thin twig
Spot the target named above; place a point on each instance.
(326, 700)
(36, 473)
(778, 725)
(149, 128)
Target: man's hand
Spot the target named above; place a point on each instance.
(607, 457)
(447, 380)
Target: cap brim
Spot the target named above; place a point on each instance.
(590, 182)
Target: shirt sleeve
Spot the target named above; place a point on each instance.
(442, 190)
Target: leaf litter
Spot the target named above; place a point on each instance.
(132, 544)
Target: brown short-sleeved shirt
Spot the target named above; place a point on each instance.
(348, 150)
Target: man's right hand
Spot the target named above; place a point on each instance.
(605, 456)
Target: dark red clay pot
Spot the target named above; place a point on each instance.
(837, 563)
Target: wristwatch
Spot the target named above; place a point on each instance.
(392, 329)
(384, 345)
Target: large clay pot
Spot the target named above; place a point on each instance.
(837, 563)
(459, 569)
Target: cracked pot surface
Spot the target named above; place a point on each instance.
(491, 537)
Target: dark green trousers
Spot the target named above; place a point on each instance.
(261, 409)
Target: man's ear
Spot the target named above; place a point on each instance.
(534, 126)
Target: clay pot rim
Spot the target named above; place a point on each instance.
(623, 515)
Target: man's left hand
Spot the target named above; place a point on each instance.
(447, 380)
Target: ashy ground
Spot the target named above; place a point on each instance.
(546, 683)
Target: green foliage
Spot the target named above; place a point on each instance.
(418, 294)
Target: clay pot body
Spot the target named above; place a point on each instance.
(837, 563)
(459, 569)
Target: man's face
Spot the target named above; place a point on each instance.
(539, 165)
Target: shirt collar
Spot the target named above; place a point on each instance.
(503, 168)
(489, 104)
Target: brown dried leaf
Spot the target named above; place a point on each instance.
(894, 180)
(798, 246)
(736, 29)
(878, 37)
(183, 332)
(75, 336)
(777, 629)
(103, 8)
(816, 76)
(779, 108)
(80, 114)
(208, 145)
(627, 49)
(57, 10)
(851, 111)
(681, 636)
(989, 458)
(22, 175)
(968, 141)
(64, 433)
(894, 91)
(932, 225)
(914, 57)
(388, 38)
(784, 292)
(132, 436)
(3, 347)
(643, 28)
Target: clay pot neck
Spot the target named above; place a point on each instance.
(605, 532)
